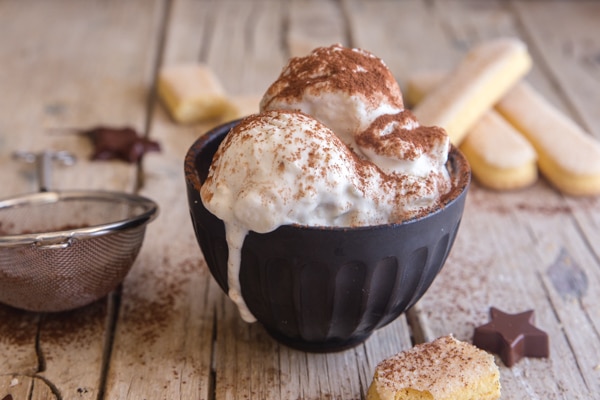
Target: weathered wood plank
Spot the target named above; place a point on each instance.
(246, 357)
(71, 84)
(570, 57)
(18, 332)
(66, 65)
(497, 259)
(407, 35)
(17, 386)
(247, 361)
(567, 37)
(164, 333)
(177, 335)
(307, 376)
(245, 47)
(74, 338)
(194, 345)
(314, 23)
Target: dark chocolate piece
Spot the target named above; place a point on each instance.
(119, 143)
(512, 336)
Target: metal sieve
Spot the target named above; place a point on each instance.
(60, 250)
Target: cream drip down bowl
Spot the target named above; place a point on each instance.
(327, 288)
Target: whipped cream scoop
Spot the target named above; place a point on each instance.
(353, 92)
(345, 89)
(284, 167)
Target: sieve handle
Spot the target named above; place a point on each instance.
(54, 244)
(43, 162)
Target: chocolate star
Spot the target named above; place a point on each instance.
(512, 336)
(119, 143)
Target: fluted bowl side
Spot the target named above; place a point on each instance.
(327, 289)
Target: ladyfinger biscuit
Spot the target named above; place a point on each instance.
(476, 84)
(191, 93)
(241, 106)
(445, 369)
(500, 157)
(568, 157)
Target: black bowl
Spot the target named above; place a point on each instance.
(327, 289)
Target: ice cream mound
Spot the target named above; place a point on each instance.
(346, 89)
(284, 167)
(333, 147)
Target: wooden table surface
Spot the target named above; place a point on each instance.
(169, 332)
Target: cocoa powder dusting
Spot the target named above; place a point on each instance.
(150, 313)
(75, 328)
(18, 328)
(314, 152)
(437, 367)
(6, 229)
(353, 71)
(404, 137)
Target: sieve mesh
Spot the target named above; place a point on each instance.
(59, 252)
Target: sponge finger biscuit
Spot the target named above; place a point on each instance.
(476, 84)
(500, 157)
(568, 157)
(191, 93)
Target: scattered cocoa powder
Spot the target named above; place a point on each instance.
(77, 327)
(6, 229)
(18, 327)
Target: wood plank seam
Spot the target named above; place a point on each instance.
(562, 328)
(543, 63)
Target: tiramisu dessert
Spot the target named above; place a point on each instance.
(332, 146)
(445, 369)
